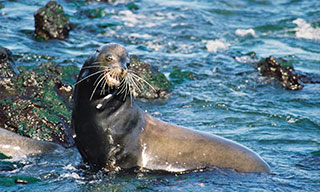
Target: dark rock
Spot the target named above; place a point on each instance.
(7, 66)
(7, 70)
(51, 22)
(283, 73)
(37, 102)
(161, 86)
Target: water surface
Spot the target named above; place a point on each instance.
(201, 37)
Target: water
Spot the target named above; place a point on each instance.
(202, 37)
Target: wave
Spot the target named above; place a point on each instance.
(245, 32)
(216, 45)
(305, 30)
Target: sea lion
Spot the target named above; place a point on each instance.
(16, 146)
(112, 132)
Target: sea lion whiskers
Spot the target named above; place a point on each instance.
(93, 74)
(138, 82)
(95, 88)
(133, 83)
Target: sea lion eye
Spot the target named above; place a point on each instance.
(109, 58)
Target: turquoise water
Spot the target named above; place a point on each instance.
(229, 97)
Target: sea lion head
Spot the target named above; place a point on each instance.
(105, 71)
(112, 59)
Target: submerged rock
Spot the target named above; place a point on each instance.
(178, 76)
(51, 22)
(285, 74)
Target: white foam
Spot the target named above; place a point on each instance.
(69, 167)
(143, 36)
(245, 32)
(70, 175)
(305, 30)
(215, 45)
(132, 20)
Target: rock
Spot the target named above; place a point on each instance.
(161, 86)
(8, 70)
(37, 102)
(283, 73)
(51, 22)
(7, 66)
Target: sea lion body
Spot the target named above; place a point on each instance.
(17, 146)
(113, 133)
(173, 148)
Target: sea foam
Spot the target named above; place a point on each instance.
(245, 32)
(305, 30)
(215, 45)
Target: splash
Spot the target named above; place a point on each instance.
(305, 30)
(245, 32)
(216, 45)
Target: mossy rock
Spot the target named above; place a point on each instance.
(51, 22)
(40, 105)
(160, 85)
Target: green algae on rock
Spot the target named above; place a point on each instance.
(51, 22)
(177, 76)
(38, 105)
(161, 85)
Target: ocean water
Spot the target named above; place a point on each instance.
(228, 97)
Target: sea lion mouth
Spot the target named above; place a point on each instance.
(113, 78)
